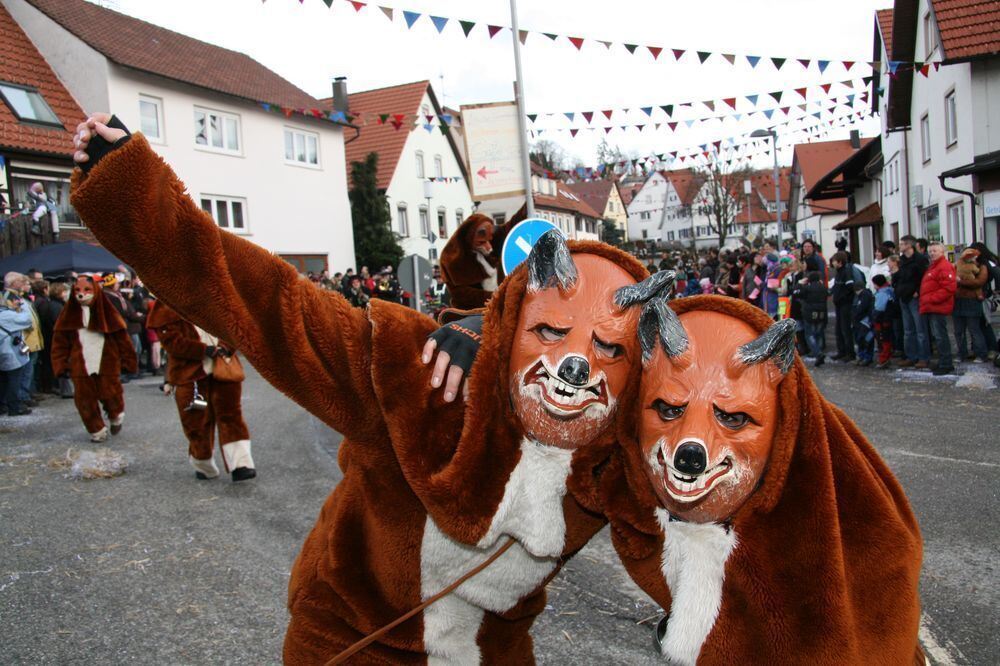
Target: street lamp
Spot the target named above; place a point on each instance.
(760, 134)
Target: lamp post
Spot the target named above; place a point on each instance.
(522, 119)
(759, 134)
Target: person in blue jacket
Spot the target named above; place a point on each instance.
(14, 355)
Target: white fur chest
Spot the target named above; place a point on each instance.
(694, 566)
(91, 344)
(490, 283)
(531, 511)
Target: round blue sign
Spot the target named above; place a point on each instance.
(521, 239)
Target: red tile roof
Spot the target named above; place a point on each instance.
(133, 43)
(628, 191)
(23, 64)
(968, 28)
(685, 182)
(384, 139)
(567, 200)
(595, 193)
(815, 160)
(884, 19)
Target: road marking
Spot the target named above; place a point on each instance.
(942, 458)
(939, 655)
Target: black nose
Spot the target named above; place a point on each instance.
(574, 370)
(690, 459)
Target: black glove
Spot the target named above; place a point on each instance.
(460, 339)
(98, 146)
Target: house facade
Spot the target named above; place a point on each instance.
(604, 197)
(420, 169)
(277, 180)
(645, 211)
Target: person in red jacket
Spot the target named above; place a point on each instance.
(937, 300)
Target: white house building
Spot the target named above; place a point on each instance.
(420, 170)
(278, 181)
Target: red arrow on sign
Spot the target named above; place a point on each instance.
(482, 173)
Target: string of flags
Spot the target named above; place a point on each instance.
(658, 53)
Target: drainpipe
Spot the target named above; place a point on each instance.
(906, 174)
(972, 200)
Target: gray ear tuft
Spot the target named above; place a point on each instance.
(776, 343)
(642, 292)
(550, 263)
(659, 323)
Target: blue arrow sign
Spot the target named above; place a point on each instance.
(520, 240)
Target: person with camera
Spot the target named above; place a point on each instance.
(14, 353)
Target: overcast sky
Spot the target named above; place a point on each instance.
(308, 44)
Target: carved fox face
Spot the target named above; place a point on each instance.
(573, 347)
(84, 290)
(709, 399)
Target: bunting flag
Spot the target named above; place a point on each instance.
(467, 26)
(411, 17)
(439, 22)
(577, 42)
(387, 11)
(493, 30)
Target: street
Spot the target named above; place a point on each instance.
(156, 567)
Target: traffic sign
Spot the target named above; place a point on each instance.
(520, 240)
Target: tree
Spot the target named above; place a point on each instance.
(611, 158)
(375, 244)
(719, 196)
(548, 155)
(611, 234)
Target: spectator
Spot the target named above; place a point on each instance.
(842, 291)
(969, 305)
(44, 380)
(882, 318)
(906, 283)
(793, 277)
(861, 318)
(15, 317)
(880, 266)
(812, 295)
(813, 260)
(897, 320)
(991, 295)
(356, 294)
(43, 206)
(772, 272)
(346, 281)
(937, 301)
(18, 286)
(134, 321)
(922, 246)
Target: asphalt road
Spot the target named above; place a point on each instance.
(156, 567)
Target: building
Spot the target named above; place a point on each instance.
(660, 210)
(277, 180)
(421, 171)
(37, 119)
(604, 197)
(756, 219)
(677, 218)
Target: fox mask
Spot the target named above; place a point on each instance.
(709, 400)
(84, 290)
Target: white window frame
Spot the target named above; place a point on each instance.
(438, 167)
(228, 202)
(925, 138)
(425, 221)
(223, 116)
(956, 223)
(421, 172)
(402, 220)
(157, 102)
(930, 36)
(459, 217)
(442, 220)
(950, 119)
(297, 132)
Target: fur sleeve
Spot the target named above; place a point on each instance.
(310, 344)
(61, 345)
(126, 352)
(179, 345)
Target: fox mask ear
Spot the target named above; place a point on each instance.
(659, 324)
(644, 291)
(551, 264)
(776, 344)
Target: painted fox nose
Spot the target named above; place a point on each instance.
(690, 459)
(574, 370)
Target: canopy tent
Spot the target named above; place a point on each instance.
(59, 258)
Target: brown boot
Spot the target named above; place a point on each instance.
(922, 365)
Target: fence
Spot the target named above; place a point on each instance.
(19, 233)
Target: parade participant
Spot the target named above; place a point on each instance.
(753, 510)
(91, 346)
(470, 262)
(208, 386)
(431, 490)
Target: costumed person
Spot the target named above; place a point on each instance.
(207, 381)
(752, 509)
(91, 346)
(470, 262)
(432, 490)
(44, 207)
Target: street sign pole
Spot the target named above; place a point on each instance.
(522, 118)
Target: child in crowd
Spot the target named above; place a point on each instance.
(861, 315)
(882, 316)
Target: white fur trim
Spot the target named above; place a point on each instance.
(531, 511)
(207, 364)
(237, 454)
(206, 467)
(91, 344)
(490, 283)
(99, 436)
(694, 566)
(118, 420)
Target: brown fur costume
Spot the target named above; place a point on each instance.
(186, 372)
(462, 269)
(971, 276)
(94, 355)
(423, 479)
(827, 552)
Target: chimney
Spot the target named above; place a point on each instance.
(340, 94)
(855, 139)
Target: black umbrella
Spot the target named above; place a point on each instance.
(59, 258)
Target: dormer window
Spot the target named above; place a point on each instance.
(28, 105)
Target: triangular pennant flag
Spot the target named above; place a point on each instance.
(925, 68)
(532, 116)
(631, 47)
(738, 117)
(822, 64)
(866, 80)
(668, 109)
(607, 114)
(577, 42)
(396, 123)
(731, 101)
(439, 22)
(607, 45)
(672, 126)
(703, 56)
(382, 117)
(570, 115)
(387, 11)
(467, 26)
(752, 99)
(329, 3)
(805, 63)
(588, 115)
(768, 113)
(648, 110)
(678, 53)
(710, 104)
(428, 127)
(802, 92)
(730, 58)
(411, 17)
(717, 144)
(265, 106)
(753, 60)
(689, 123)
(522, 36)
(429, 117)
(778, 62)
(573, 132)
(443, 128)
(937, 66)
(551, 35)
(655, 50)
(785, 109)
(893, 65)
(288, 112)
(607, 130)
(493, 30)
(399, 117)
(826, 88)
(776, 96)
(802, 107)
(358, 6)
(446, 118)
(848, 64)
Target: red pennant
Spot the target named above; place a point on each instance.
(655, 50)
(925, 69)
(607, 114)
(588, 115)
(731, 101)
(288, 112)
(826, 88)
(937, 66)
(577, 42)
(805, 63)
(396, 123)
(573, 132)
(358, 6)
(607, 130)
(672, 126)
(785, 109)
(801, 92)
(493, 30)
(678, 53)
(398, 117)
(848, 64)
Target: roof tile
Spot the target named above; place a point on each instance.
(968, 28)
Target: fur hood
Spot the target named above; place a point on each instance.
(103, 316)
(459, 265)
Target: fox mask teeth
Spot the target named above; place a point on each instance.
(561, 398)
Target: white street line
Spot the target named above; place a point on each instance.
(942, 458)
(938, 654)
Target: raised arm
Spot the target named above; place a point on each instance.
(310, 344)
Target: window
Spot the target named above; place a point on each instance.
(28, 104)
(425, 222)
(645, 234)
(459, 218)
(930, 36)
(499, 218)
(402, 221)
(644, 215)
(307, 263)
(925, 138)
(438, 167)
(420, 164)
(432, 254)
(301, 147)
(956, 223)
(950, 120)
(215, 130)
(442, 223)
(670, 235)
(228, 212)
(930, 224)
(151, 117)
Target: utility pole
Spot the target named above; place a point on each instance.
(522, 118)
